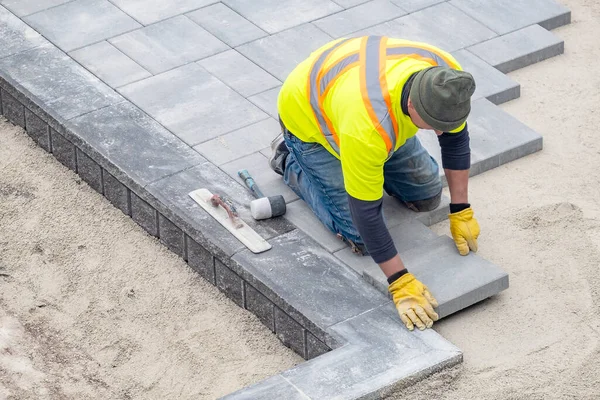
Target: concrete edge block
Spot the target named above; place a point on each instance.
(144, 214)
(12, 109)
(229, 283)
(63, 150)
(38, 130)
(557, 21)
(89, 171)
(171, 236)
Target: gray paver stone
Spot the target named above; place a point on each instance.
(38, 130)
(273, 388)
(116, 192)
(89, 171)
(226, 24)
(276, 15)
(171, 196)
(491, 83)
(289, 331)
(171, 236)
(80, 23)
(22, 8)
(63, 150)
(110, 64)
(269, 182)
(200, 260)
(312, 281)
(229, 283)
(267, 101)
(504, 16)
(168, 44)
(239, 73)
(138, 148)
(381, 353)
(12, 109)
(416, 5)
(360, 17)
(260, 306)
(15, 35)
(314, 347)
(239, 143)
(280, 53)
(151, 11)
(303, 218)
(441, 25)
(519, 49)
(456, 281)
(144, 214)
(192, 104)
(64, 87)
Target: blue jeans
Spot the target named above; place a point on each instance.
(315, 175)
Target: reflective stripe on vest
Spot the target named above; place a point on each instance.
(372, 56)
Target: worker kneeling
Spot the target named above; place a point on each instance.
(349, 115)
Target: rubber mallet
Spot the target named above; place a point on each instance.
(263, 207)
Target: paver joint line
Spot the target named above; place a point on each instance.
(80, 119)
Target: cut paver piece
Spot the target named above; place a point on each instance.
(109, 64)
(15, 36)
(151, 11)
(276, 15)
(168, 44)
(441, 25)
(519, 49)
(226, 24)
(63, 94)
(239, 73)
(280, 53)
(455, 281)
(505, 16)
(81, 22)
(26, 7)
(491, 83)
(360, 17)
(239, 143)
(192, 103)
(268, 181)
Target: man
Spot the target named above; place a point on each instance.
(349, 114)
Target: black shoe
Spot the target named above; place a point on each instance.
(278, 155)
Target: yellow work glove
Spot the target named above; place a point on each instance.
(465, 230)
(414, 302)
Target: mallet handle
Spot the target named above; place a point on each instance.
(249, 181)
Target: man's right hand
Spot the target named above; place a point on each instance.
(414, 302)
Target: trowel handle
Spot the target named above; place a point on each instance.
(249, 181)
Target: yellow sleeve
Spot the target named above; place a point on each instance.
(362, 166)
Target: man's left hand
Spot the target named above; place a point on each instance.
(465, 230)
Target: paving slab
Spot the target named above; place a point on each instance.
(416, 5)
(226, 24)
(118, 131)
(80, 23)
(360, 17)
(519, 49)
(442, 25)
(267, 101)
(15, 36)
(192, 104)
(349, 3)
(239, 143)
(62, 95)
(22, 8)
(277, 15)
(280, 53)
(491, 83)
(269, 182)
(456, 281)
(503, 16)
(150, 11)
(239, 73)
(168, 44)
(110, 64)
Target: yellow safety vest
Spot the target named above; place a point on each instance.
(346, 96)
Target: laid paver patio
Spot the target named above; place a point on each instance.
(149, 100)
